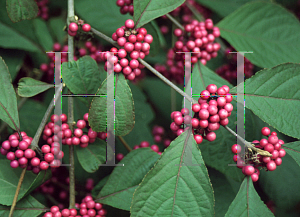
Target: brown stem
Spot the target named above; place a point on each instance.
(125, 143)
(17, 192)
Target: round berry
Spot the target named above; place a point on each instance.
(205, 94)
(212, 88)
(271, 166)
(203, 114)
(198, 138)
(265, 131)
(236, 148)
(249, 170)
(254, 177)
(211, 136)
(73, 27)
(129, 24)
(273, 139)
(282, 153)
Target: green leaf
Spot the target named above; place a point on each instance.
(154, 87)
(252, 28)
(28, 87)
(223, 192)
(31, 114)
(282, 185)
(8, 100)
(99, 15)
(21, 9)
(221, 7)
(121, 184)
(202, 76)
(124, 108)
(274, 96)
(92, 156)
(174, 189)
(143, 116)
(293, 149)
(42, 33)
(11, 38)
(28, 206)
(56, 25)
(8, 183)
(247, 202)
(82, 77)
(13, 59)
(147, 10)
(19, 35)
(97, 188)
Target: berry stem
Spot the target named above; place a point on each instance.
(36, 138)
(17, 192)
(175, 21)
(125, 143)
(105, 37)
(71, 15)
(248, 144)
(164, 79)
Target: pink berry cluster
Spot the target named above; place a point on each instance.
(74, 27)
(211, 111)
(20, 155)
(158, 134)
(126, 6)
(197, 37)
(89, 49)
(43, 9)
(229, 70)
(135, 43)
(272, 145)
(52, 132)
(87, 208)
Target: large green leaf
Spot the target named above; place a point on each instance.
(223, 192)
(221, 7)
(121, 184)
(21, 9)
(82, 77)
(293, 149)
(147, 10)
(8, 99)
(282, 185)
(174, 188)
(154, 87)
(143, 116)
(31, 114)
(9, 178)
(265, 28)
(56, 25)
(11, 38)
(13, 59)
(28, 87)
(28, 206)
(124, 108)
(42, 33)
(274, 96)
(99, 13)
(247, 202)
(92, 156)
